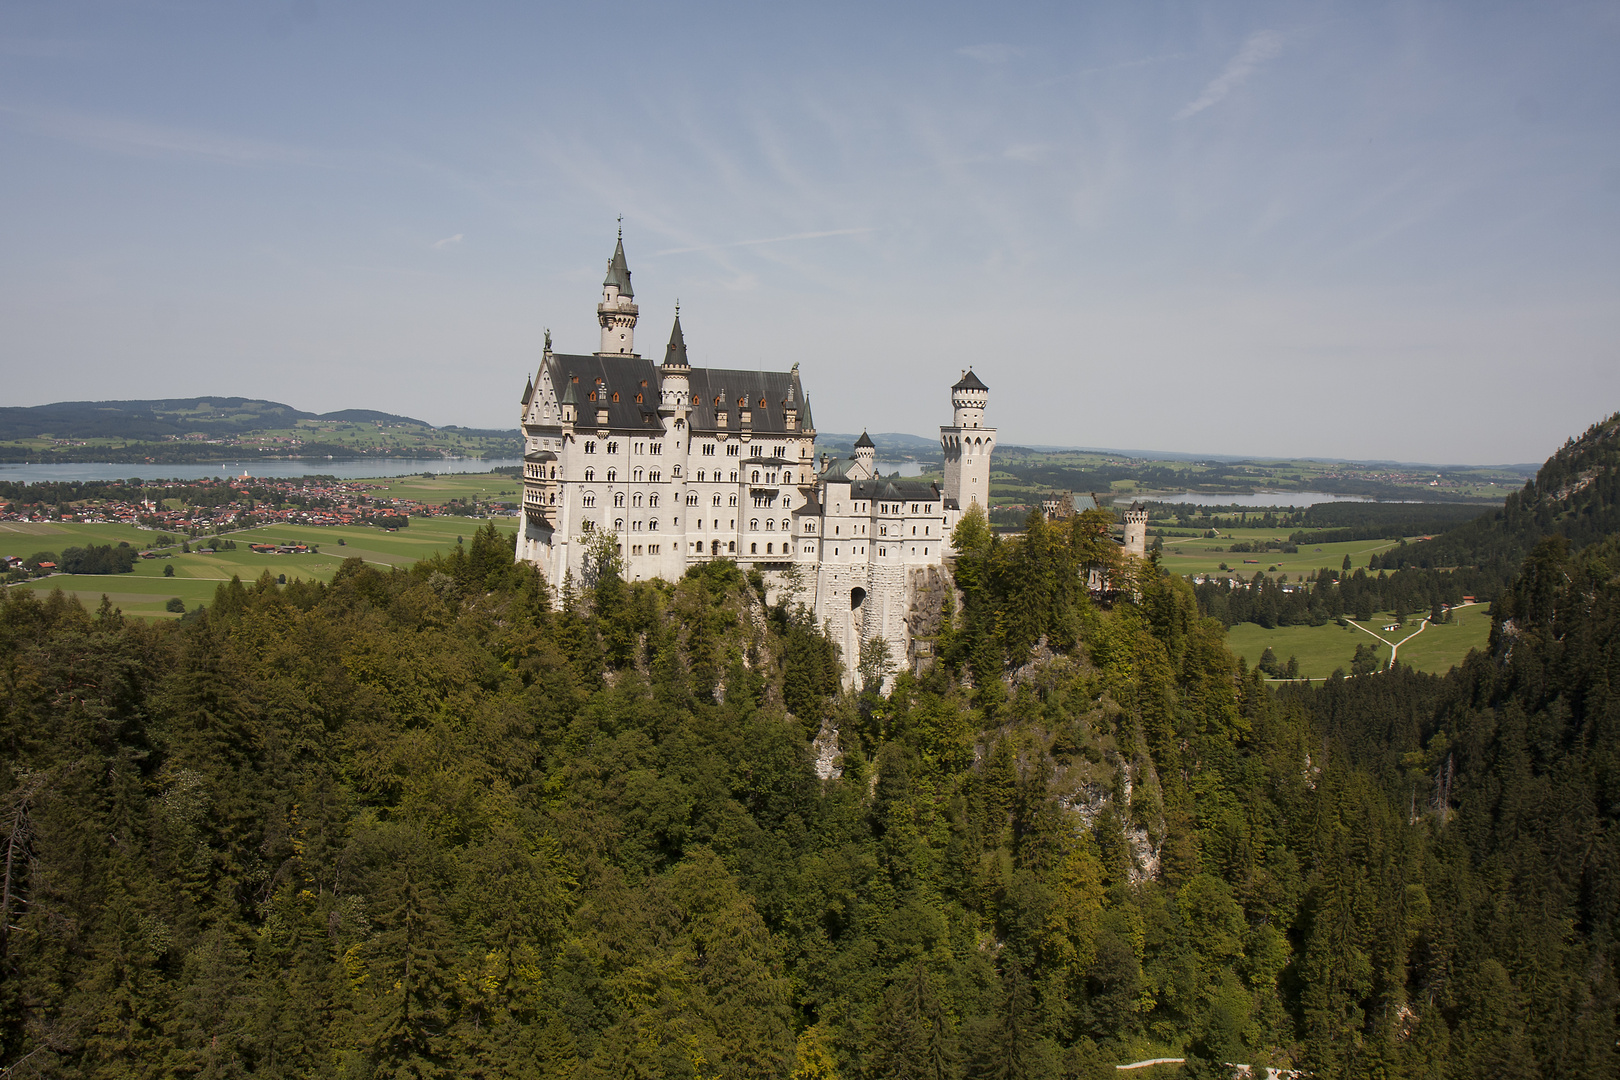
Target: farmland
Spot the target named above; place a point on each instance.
(146, 590)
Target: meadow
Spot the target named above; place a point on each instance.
(146, 590)
(1198, 555)
(1321, 649)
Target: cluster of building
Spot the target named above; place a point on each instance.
(682, 464)
(253, 501)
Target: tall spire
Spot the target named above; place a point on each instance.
(675, 355)
(617, 311)
(619, 270)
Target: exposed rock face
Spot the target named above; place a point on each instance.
(927, 587)
(825, 746)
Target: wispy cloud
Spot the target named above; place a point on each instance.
(1261, 46)
(768, 240)
(990, 52)
(449, 241)
(135, 136)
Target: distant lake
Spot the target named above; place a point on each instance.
(904, 468)
(274, 470)
(1259, 498)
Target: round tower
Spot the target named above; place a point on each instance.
(967, 444)
(866, 455)
(1136, 531)
(674, 382)
(617, 311)
(968, 399)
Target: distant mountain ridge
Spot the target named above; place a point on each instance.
(165, 418)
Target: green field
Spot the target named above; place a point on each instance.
(1321, 649)
(440, 488)
(145, 590)
(1193, 555)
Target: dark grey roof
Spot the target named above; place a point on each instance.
(865, 440)
(540, 455)
(675, 355)
(894, 490)
(528, 393)
(753, 386)
(619, 270)
(836, 471)
(969, 381)
(626, 374)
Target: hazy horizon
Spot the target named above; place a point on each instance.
(1366, 232)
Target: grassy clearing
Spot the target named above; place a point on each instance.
(442, 487)
(145, 590)
(1321, 649)
(1200, 555)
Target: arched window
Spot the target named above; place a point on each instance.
(786, 525)
(717, 500)
(590, 498)
(618, 524)
(756, 476)
(770, 524)
(636, 499)
(655, 477)
(652, 500)
(652, 525)
(677, 471)
(770, 549)
(691, 499)
(638, 476)
(753, 549)
(733, 476)
(731, 548)
(753, 524)
(590, 447)
(618, 498)
(590, 474)
(613, 474)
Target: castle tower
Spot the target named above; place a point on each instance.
(674, 382)
(866, 455)
(1136, 531)
(967, 444)
(617, 311)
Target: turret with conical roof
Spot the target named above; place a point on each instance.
(866, 455)
(674, 382)
(617, 311)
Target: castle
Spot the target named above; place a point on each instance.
(684, 464)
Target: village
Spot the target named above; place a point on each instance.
(198, 507)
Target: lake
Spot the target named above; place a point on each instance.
(1259, 498)
(283, 469)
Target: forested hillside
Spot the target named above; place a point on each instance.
(439, 822)
(1576, 494)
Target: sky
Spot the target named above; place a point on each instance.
(1357, 230)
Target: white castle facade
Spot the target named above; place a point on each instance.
(683, 465)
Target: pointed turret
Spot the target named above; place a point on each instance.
(866, 456)
(618, 274)
(617, 311)
(675, 354)
(528, 393)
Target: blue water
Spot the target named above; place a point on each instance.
(343, 470)
(1261, 498)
